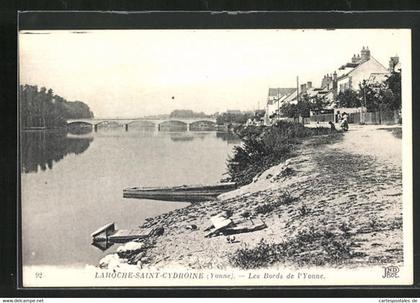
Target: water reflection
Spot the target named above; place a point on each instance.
(188, 136)
(102, 245)
(80, 129)
(229, 137)
(62, 206)
(40, 149)
(185, 136)
(181, 137)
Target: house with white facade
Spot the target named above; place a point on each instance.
(275, 99)
(361, 67)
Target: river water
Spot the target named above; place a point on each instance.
(72, 184)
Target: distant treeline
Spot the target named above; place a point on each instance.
(42, 108)
(187, 113)
(234, 118)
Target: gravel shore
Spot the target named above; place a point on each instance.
(336, 204)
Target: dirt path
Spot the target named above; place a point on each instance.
(372, 140)
(338, 203)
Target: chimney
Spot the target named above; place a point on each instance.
(324, 81)
(335, 76)
(303, 88)
(309, 84)
(365, 54)
(393, 61)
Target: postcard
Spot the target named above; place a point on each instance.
(228, 157)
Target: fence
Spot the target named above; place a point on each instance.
(322, 118)
(388, 117)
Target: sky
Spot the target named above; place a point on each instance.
(133, 73)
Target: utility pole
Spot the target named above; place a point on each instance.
(297, 93)
(297, 88)
(363, 109)
(266, 113)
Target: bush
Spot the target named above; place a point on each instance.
(260, 256)
(287, 198)
(267, 208)
(263, 147)
(284, 199)
(309, 247)
(303, 210)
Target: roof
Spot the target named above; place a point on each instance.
(312, 92)
(329, 97)
(351, 65)
(290, 97)
(346, 74)
(377, 77)
(280, 91)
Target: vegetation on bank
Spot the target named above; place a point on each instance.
(187, 114)
(310, 247)
(42, 108)
(263, 147)
(233, 117)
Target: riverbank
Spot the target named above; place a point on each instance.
(337, 204)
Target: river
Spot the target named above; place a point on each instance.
(72, 184)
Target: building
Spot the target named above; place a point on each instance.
(234, 111)
(361, 67)
(292, 98)
(276, 97)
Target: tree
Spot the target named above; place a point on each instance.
(382, 96)
(348, 98)
(187, 113)
(289, 110)
(393, 83)
(227, 118)
(41, 108)
(303, 107)
(316, 103)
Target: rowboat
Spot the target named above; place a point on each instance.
(107, 235)
(188, 193)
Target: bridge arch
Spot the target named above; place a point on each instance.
(107, 122)
(80, 123)
(173, 125)
(142, 123)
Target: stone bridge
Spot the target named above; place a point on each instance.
(168, 124)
